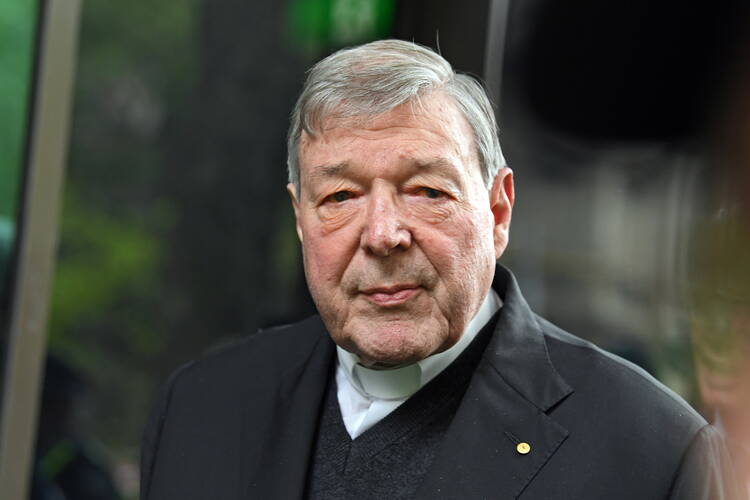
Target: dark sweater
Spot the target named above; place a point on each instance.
(390, 459)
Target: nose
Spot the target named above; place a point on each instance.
(385, 230)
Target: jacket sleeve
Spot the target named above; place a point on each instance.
(706, 472)
(153, 430)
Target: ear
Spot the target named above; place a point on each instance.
(502, 197)
(292, 190)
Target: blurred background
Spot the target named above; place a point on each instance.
(627, 126)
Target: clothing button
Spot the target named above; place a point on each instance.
(523, 448)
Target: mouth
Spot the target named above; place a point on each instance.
(388, 296)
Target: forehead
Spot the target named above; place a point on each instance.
(430, 127)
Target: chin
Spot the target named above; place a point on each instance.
(393, 343)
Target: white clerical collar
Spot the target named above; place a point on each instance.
(402, 382)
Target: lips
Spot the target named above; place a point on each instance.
(392, 295)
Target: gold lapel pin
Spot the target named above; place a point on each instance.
(523, 448)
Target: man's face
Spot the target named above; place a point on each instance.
(399, 233)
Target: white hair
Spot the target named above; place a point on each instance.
(374, 78)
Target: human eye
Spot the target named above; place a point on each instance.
(338, 197)
(431, 193)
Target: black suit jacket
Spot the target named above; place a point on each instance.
(240, 424)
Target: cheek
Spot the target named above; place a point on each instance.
(481, 222)
(326, 255)
(463, 254)
(470, 234)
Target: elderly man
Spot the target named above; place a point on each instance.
(426, 374)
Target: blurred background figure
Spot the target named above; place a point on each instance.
(720, 314)
(69, 463)
(719, 278)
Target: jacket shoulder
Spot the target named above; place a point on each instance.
(606, 381)
(268, 351)
(628, 423)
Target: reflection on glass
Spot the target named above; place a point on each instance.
(17, 25)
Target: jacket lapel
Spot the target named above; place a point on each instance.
(281, 470)
(513, 387)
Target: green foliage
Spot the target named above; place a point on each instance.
(103, 319)
(101, 260)
(17, 20)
